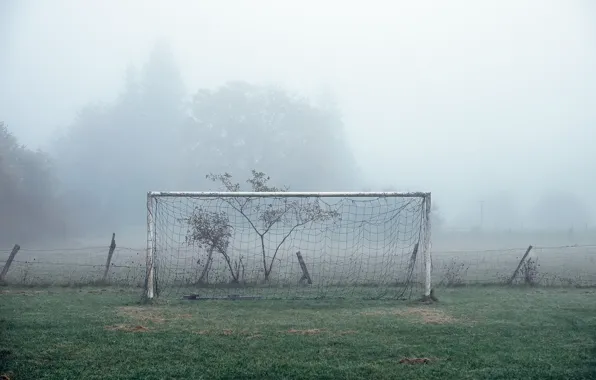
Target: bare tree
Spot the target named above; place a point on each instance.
(212, 231)
(291, 212)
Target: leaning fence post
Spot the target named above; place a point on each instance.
(110, 253)
(305, 274)
(519, 266)
(13, 253)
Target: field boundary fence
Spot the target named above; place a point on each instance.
(564, 265)
(73, 266)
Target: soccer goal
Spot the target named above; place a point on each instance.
(205, 245)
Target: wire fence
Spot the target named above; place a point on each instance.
(567, 265)
(75, 266)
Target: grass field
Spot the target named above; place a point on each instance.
(472, 333)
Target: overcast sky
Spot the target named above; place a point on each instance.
(463, 98)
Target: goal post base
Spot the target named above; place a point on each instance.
(431, 298)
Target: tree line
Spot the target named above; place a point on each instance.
(154, 137)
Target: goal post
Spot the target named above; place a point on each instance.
(150, 268)
(263, 244)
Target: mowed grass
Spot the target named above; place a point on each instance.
(472, 333)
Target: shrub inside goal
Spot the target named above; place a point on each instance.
(288, 244)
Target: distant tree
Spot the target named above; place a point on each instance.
(151, 138)
(112, 154)
(560, 210)
(291, 213)
(29, 209)
(239, 126)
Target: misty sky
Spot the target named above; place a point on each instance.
(467, 99)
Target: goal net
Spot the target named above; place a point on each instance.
(288, 245)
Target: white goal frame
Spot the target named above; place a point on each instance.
(153, 195)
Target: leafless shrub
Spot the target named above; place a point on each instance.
(291, 213)
(529, 271)
(454, 273)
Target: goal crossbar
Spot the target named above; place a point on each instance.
(289, 194)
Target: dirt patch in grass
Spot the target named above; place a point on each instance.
(141, 314)
(96, 291)
(431, 316)
(347, 332)
(304, 332)
(23, 292)
(230, 332)
(147, 314)
(128, 328)
(256, 334)
(376, 313)
(427, 315)
(417, 360)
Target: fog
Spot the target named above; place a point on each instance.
(489, 105)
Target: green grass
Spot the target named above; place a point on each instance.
(473, 333)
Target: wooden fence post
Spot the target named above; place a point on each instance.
(13, 253)
(519, 266)
(110, 253)
(305, 274)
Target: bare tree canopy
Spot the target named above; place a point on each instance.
(212, 230)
